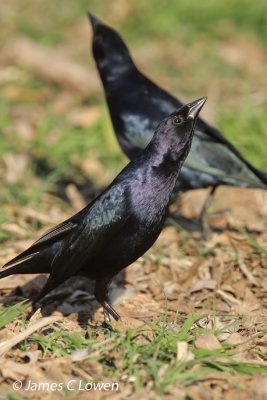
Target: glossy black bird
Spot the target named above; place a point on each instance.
(122, 223)
(136, 106)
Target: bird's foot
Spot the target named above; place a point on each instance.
(109, 311)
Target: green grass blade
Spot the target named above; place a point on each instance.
(8, 314)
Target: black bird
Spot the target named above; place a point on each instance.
(122, 223)
(136, 105)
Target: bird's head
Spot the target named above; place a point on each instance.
(173, 137)
(110, 52)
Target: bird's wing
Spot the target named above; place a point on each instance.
(103, 220)
(56, 232)
(51, 236)
(212, 135)
(142, 117)
(216, 159)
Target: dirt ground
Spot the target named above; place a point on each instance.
(224, 279)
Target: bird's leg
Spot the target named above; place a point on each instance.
(50, 284)
(101, 295)
(199, 223)
(202, 215)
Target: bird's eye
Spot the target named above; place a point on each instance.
(178, 120)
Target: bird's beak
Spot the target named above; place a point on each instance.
(195, 107)
(94, 21)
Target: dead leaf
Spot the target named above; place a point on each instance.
(207, 341)
(203, 284)
(231, 300)
(235, 338)
(183, 352)
(8, 344)
(248, 274)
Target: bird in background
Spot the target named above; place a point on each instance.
(136, 106)
(122, 223)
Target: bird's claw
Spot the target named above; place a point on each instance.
(107, 318)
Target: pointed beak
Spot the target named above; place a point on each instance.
(94, 21)
(195, 107)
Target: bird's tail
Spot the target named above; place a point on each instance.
(263, 176)
(23, 268)
(37, 259)
(34, 265)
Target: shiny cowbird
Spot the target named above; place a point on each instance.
(122, 223)
(136, 105)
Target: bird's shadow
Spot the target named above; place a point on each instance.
(182, 223)
(75, 296)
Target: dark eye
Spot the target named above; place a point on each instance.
(178, 120)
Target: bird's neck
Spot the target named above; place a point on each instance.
(164, 158)
(167, 170)
(112, 74)
(164, 166)
(161, 172)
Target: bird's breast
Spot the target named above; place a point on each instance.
(149, 203)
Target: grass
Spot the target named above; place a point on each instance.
(193, 19)
(147, 353)
(146, 18)
(239, 123)
(8, 314)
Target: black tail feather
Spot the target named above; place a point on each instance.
(33, 266)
